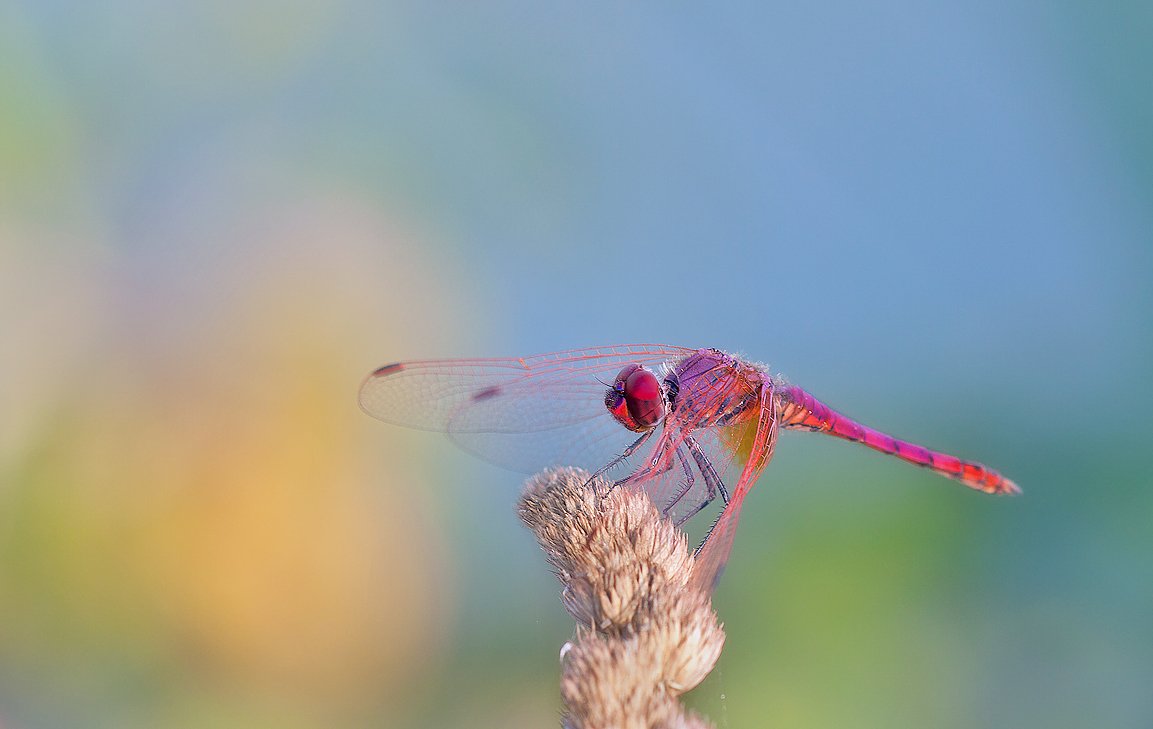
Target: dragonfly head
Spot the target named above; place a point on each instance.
(636, 399)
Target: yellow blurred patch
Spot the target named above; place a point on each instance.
(210, 501)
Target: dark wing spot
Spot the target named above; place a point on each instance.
(388, 369)
(486, 393)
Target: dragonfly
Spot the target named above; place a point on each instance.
(686, 426)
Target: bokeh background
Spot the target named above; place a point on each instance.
(216, 217)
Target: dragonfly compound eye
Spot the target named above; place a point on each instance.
(636, 399)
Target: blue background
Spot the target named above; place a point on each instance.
(216, 217)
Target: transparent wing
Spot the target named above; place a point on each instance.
(756, 446)
(521, 413)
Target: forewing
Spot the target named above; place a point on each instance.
(522, 413)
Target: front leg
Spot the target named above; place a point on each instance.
(624, 455)
(661, 462)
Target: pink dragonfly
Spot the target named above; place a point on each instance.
(679, 423)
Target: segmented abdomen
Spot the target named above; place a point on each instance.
(799, 410)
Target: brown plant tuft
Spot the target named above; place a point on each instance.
(643, 635)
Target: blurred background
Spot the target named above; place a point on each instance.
(216, 217)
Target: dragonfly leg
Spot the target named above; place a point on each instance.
(707, 467)
(713, 483)
(712, 480)
(709, 533)
(658, 464)
(625, 454)
(688, 483)
(696, 510)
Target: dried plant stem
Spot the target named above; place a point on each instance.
(644, 635)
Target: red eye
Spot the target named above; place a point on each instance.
(642, 385)
(636, 399)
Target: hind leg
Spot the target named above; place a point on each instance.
(713, 483)
(690, 479)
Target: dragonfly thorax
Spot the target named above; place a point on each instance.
(711, 388)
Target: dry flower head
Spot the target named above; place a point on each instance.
(644, 635)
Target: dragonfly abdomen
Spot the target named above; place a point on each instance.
(797, 409)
